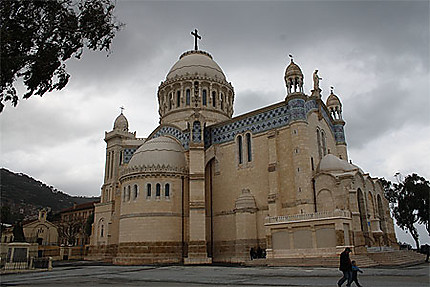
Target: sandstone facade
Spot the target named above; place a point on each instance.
(205, 187)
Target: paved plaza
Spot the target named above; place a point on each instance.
(107, 275)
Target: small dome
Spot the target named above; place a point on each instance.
(245, 201)
(121, 123)
(331, 162)
(333, 100)
(196, 62)
(293, 70)
(159, 152)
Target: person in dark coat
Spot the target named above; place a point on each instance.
(346, 267)
(252, 253)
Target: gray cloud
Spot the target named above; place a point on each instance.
(374, 53)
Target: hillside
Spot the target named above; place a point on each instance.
(21, 196)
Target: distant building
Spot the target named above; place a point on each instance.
(6, 233)
(71, 225)
(207, 187)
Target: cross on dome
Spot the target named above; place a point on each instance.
(196, 36)
(122, 109)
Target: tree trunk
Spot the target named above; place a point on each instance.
(415, 235)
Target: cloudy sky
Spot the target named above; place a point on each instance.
(375, 54)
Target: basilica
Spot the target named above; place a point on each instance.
(207, 187)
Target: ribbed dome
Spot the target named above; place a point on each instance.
(121, 123)
(293, 70)
(333, 163)
(245, 201)
(196, 62)
(333, 100)
(159, 152)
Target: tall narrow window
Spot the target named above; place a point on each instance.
(222, 102)
(239, 149)
(170, 101)
(124, 194)
(128, 193)
(248, 147)
(214, 99)
(204, 98)
(148, 190)
(187, 97)
(167, 190)
(102, 230)
(324, 146)
(319, 144)
(158, 190)
(178, 99)
(135, 191)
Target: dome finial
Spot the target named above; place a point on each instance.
(122, 109)
(196, 36)
(332, 90)
(291, 57)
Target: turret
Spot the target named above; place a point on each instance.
(293, 78)
(334, 106)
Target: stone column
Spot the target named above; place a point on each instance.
(197, 247)
(273, 175)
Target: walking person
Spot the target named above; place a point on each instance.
(355, 271)
(346, 267)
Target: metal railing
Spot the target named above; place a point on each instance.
(27, 264)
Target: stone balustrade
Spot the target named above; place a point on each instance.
(308, 216)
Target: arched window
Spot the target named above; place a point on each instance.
(187, 97)
(167, 190)
(101, 228)
(214, 99)
(178, 99)
(148, 190)
(319, 143)
(240, 149)
(158, 190)
(128, 193)
(170, 101)
(222, 101)
(135, 191)
(324, 145)
(248, 147)
(205, 98)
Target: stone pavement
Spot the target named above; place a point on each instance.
(108, 275)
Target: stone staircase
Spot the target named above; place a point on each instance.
(372, 259)
(397, 258)
(331, 261)
(363, 260)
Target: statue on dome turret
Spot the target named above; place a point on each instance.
(316, 92)
(316, 80)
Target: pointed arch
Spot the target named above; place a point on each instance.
(363, 216)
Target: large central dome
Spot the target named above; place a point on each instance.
(195, 63)
(195, 87)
